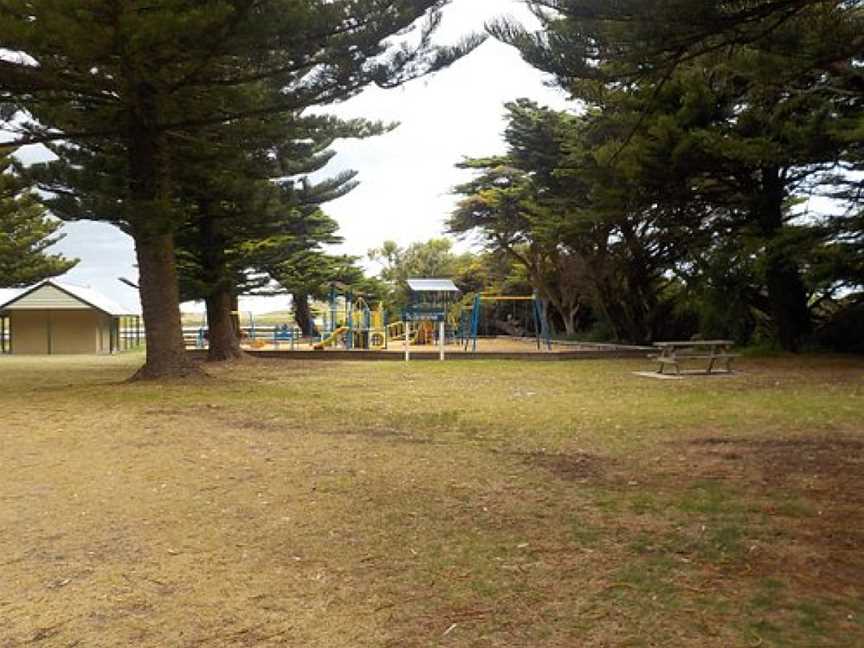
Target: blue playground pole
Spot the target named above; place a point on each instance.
(349, 315)
(332, 310)
(541, 324)
(475, 321)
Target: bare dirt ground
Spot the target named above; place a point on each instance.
(461, 504)
(501, 344)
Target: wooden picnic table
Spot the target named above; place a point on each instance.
(673, 353)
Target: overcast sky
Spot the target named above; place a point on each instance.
(406, 176)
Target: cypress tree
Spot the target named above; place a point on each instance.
(779, 96)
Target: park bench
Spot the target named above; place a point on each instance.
(712, 351)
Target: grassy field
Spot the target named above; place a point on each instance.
(457, 504)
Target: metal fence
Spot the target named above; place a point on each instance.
(278, 336)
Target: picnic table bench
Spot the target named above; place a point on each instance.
(673, 353)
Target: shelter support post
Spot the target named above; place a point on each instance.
(442, 331)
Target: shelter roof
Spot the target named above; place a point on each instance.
(432, 285)
(7, 295)
(87, 296)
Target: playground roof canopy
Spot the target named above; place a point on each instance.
(432, 285)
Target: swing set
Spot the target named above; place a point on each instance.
(471, 318)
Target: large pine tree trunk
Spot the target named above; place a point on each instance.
(222, 335)
(235, 316)
(151, 228)
(302, 313)
(786, 291)
(160, 305)
(788, 298)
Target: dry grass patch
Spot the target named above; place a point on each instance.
(464, 504)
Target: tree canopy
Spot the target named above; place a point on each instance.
(136, 79)
(26, 232)
(703, 130)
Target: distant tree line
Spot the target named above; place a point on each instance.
(472, 271)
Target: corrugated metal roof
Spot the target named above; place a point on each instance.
(97, 299)
(7, 295)
(432, 285)
(87, 296)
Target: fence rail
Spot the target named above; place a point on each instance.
(196, 336)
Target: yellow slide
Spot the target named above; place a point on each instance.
(331, 339)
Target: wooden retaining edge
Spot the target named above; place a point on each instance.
(392, 356)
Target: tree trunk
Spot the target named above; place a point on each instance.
(640, 293)
(511, 329)
(223, 340)
(160, 305)
(788, 299)
(569, 319)
(302, 313)
(152, 229)
(786, 292)
(223, 335)
(606, 306)
(235, 316)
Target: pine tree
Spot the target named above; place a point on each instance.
(26, 232)
(252, 206)
(135, 78)
(640, 40)
(247, 208)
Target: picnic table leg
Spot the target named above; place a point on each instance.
(712, 352)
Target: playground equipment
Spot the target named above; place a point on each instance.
(286, 333)
(351, 322)
(367, 326)
(433, 316)
(331, 340)
(429, 303)
(470, 320)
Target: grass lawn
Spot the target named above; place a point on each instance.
(458, 504)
